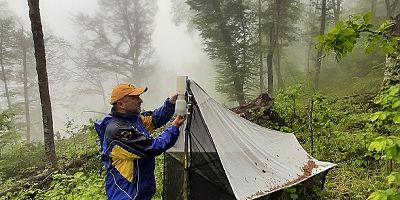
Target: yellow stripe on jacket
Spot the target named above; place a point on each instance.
(148, 122)
(122, 160)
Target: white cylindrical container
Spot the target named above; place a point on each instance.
(181, 84)
(180, 105)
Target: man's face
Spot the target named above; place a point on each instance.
(131, 104)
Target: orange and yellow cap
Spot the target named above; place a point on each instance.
(125, 89)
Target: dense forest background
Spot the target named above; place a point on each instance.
(330, 66)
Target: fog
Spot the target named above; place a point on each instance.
(177, 52)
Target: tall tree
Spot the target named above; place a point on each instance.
(228, 29)
(7, 44)
(272, 38)
(319, 55)
(40, 55)
(281, 18)
(118, 37)
(24, 45)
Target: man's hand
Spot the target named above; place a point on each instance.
(178, 121)
(173, 98)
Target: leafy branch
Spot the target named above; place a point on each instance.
(341, 39)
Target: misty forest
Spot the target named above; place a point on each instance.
(326, 70)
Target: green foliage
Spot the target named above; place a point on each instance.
(80, 185)
(387, 147)
(29, 160)
(339, 125)
(82, 140)
(287, 105)
(353, 180)
(342, 133)
(8, 134)
(159, 173)
(87, 182)
(310, 189)
(389, 194)
(15, 152)
(389, 101)
(342, 39)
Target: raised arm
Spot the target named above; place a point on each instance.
(160, 116)
(134, 142)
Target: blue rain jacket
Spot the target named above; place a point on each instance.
(128, 151)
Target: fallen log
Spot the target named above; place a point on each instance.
(262, 106)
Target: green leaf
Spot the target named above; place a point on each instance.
(387, 47)
(396, 119)
(385, 26)
(394, 177)
(349, 46)
(377, 146)
(375, 116)
(367, 17)
(378, 195)
(396, 104)
(294, 196)
(391, 191)
(348, 32)
(393, 90)
(383, 115)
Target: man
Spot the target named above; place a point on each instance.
(127, 150)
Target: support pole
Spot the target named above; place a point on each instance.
(186, 162)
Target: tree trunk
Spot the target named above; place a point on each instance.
(336, 10)
(6, 89)
(392, 72)
(270, 70)
(373, 7)
(243, 68)
(277, 65)
(260, 49)
(40, 56)
(392, 68)
(319, 55)
(273, 37)
(310, 43)
(391, 8)
(26, 97)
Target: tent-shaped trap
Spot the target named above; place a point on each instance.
(228, 157)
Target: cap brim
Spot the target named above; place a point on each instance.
(138, 91)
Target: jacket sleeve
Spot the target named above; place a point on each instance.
(159, 117)
(137, 143)
(164, 141)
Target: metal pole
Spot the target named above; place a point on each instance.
(186, 183)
